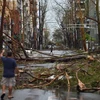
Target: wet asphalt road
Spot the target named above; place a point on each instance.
(38, 94)
(31, 94)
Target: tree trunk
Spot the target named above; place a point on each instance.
(82, 30)
(34, 14)
(1, 28)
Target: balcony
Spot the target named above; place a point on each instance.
(78, 9)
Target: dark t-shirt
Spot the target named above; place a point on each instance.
(9, 67)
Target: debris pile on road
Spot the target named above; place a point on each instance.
(62, 75)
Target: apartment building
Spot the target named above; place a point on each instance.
(11, 18)
(82, 10)
(78, 21)
(92, 24)
(20, 19)
(29, 24)
(26, 29)
(79, 10)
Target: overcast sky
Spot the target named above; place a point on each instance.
(51, 17)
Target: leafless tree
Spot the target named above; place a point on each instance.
(42, 15)
(64, 16)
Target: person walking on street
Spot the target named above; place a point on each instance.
(51, 52)
(9, 70)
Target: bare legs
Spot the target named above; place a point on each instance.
(9, 92)
(3, 92)
(3, 89)
(9, 83)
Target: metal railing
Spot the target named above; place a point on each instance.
(90, 26)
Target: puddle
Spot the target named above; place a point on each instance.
(34, 66)
(39, 94)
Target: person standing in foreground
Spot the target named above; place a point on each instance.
(9, 70)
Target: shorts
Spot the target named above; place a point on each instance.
(8, 81)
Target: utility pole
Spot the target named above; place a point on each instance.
(2, 20)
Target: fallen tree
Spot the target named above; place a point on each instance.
(16, 42)
(46, 77)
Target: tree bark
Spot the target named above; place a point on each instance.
(2, 20)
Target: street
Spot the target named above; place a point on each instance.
(38, 94)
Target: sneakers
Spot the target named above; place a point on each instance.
(2, 96)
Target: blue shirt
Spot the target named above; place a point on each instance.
(9, 67)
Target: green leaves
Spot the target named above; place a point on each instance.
(88, 37)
